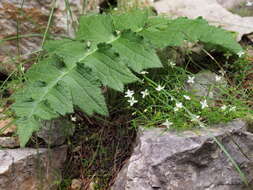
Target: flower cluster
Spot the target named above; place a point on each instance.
(197, 111)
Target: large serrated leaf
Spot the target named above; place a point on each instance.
(96, 29)
(163, 32)
(86, 91)
(70, 51)
(26, 127)
(134, 20)
(108, 67)
(135, 53)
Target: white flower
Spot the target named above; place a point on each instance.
(115, 9)
(88, 43)
(144, 93)
(159, 88)
(204, 104)
(218, 78)
(167, 123)
(223, 108)
(195, 118)
(145, 110)
(73, 118)
(172, 64)
(240, 53)
(190, 79)
(117, 32)
(144, 72)
(249, 3)
(129, 93)
(22, 68)
(202, 125)
(187, 97)
(222, 72)
(132, 101)
(179, 105)
(233, 108)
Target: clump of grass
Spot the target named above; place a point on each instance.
(164, 102)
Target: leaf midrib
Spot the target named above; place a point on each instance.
(53, 83)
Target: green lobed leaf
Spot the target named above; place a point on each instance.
(96, 29)
(26, 127)
(163, 32)
(70, 51)
(134, 20)
(86, 91)
(137, 55)
(109, 68)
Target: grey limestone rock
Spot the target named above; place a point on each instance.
(9, 142)
(55, 132)
(33, 20)
(31, 169)
(193, 161)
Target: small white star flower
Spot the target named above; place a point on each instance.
(129, 93)
(132, 101)
(233, 108)
(240, 53)
(159, 88)
(217, 78)
(202, 125)
(222, 72)
(195, 118)
(187, 97)
(73, 118)
(204, 104)
(144, 72)
(190, 79)
(179, 105)
(22, 68)
(223, 108)
(88, 43)
(145, 110)
(117, 32)
(167, 123)
(144, 93)
(249, 4)
(172, 64)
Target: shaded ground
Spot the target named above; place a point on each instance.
(97, 152)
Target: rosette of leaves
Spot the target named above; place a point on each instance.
(108, 50)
